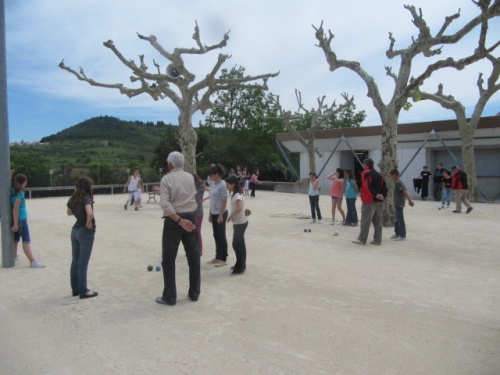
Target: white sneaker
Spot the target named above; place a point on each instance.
(16, 260)
(312, 221)
(320, 221)
(37, 264)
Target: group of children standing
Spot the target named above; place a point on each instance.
(343, 184)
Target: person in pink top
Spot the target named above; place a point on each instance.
(337, 193)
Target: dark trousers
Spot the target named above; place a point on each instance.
(240, 249)
(82, 241)
(352, 214)
(173, 234)
(252, 188)
(371, 213)
(399, 223)
(425, 189)
(437, 190)
(314, 202)
(220, 237)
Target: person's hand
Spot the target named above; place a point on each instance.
(220, 219)
(89, 226)
(248, 212)
(380, 197)
(156, 190)
(229, 219)
(187, 225)
(411, 203)
(15, 228)
(209, 218)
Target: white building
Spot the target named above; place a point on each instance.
(419, 144)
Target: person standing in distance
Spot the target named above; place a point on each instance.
(177, 200)
(460, 186)
(373, 192)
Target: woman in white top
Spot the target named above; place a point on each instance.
(238, 216)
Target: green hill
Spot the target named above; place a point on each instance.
(103, 140)
(100, 139)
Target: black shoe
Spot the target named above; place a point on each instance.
(468, 210)
(94, 294)
(75, 294)
(236, 273)
(455, 211)
(161, 301)
(192, 298)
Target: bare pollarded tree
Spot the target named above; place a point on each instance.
(190, 96)
(426, 45)
(467, 127)
(318, 117)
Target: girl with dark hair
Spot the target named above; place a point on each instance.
(240, 222)
(20, 220)
(351, 192)
(218, 213)
(337, 193)
(80, 205)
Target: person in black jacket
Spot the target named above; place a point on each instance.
(437, 182)
(459, 184)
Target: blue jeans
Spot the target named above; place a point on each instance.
(82, 241)
(399, 224)
(352, 214)
(314, 202)
(446, 196)
(173, 234)
(220, 236)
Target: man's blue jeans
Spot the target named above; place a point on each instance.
(82, 241)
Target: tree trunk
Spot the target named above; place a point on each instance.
(312, 156)
(469, 167)
(389, 161)
(188, 140)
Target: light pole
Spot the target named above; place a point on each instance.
(128, 172)
(161, 170)
(51, 172)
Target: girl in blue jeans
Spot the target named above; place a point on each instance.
(80, 205)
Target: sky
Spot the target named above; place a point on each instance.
(264, 37)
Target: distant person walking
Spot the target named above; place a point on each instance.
(133, 187)
(254, 180)
(313, 194)
(177, 200)
(373, 191)
(81, 206)
(20, 226)
(459, 185)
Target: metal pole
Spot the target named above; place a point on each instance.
(7, 245)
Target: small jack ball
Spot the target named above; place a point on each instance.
(309, 230)
(158, 268)
(305, 230)
(150, 268)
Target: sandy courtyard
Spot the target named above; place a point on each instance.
(309, 303)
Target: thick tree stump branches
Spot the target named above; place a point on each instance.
(187, 95)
